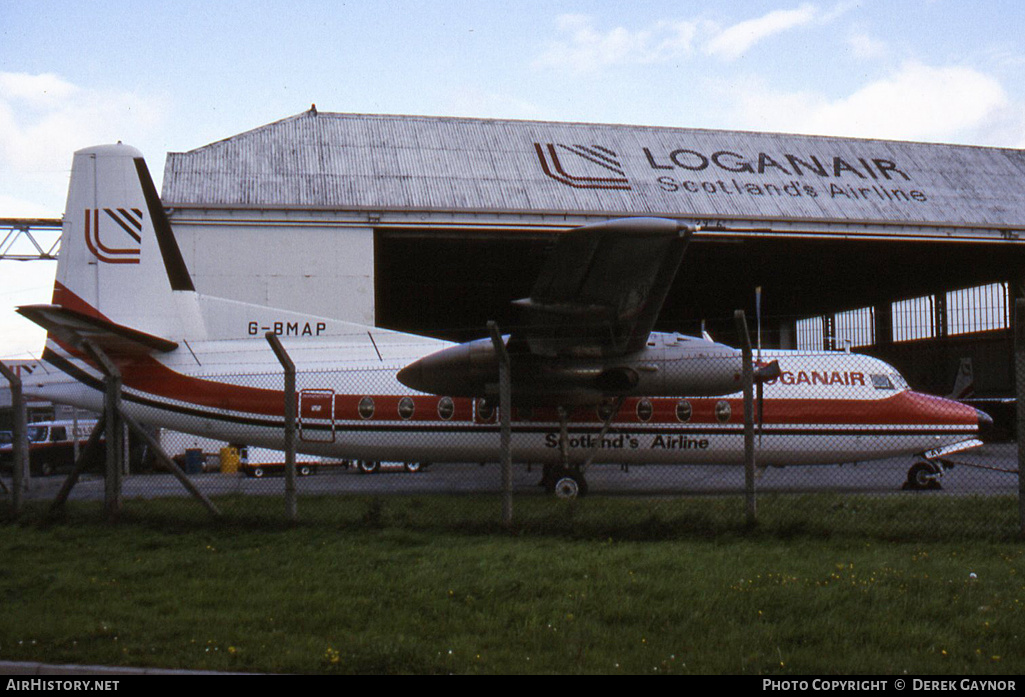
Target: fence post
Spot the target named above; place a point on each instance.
(505, 414)
(19, 449)
(747, 378)
(291, 507)
(1019, 392)
(114, 469)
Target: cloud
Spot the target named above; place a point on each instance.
(44, 119)
(734, 41)
(914, 102)
(476, 103)
(24, 283)
(584, 48)
(865, 47)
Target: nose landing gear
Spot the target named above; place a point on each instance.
(924, 475)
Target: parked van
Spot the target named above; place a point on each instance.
(51, 446)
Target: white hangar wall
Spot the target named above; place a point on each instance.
(285, 214)
(285, 261)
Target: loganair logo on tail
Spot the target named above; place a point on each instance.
(129, 227)
(551, 163)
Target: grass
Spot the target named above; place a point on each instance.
(605, 585)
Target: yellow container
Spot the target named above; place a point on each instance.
(229, 460)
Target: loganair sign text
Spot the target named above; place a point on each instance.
(727, 172)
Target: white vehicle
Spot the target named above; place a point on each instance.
(262, 462)
(51, 446)
(591, 381)
(375, 466)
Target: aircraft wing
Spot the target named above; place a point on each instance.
(115, 339)
(602, 287)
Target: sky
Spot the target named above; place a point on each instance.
(171, 76)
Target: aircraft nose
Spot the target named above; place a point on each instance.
(985, 423)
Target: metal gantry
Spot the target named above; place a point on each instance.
(30, 239)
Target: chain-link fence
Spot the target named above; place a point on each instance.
(831, 430)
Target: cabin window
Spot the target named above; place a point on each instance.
(881, 382)
(58, 433)
(406, 407)
(723, 412)
(446, 408)
(683, 411)
(644, 410)
(37, 433)
(485, 410)
(366, 408)
(606, 408)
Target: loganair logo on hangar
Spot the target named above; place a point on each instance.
(583, 159)
(127, 231)
(844, 178)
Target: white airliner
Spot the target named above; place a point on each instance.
(591, 381)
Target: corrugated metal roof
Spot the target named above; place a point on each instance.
(356, 161)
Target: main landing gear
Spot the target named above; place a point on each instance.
(566, 480)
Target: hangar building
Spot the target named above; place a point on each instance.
(909, 251)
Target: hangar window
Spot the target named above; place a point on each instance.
(914, 319)
(809, 334)
(977, 309)
(856, 327)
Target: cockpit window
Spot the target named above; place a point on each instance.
(881, 382)
(899, 381)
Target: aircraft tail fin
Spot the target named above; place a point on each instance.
(119, 261)
(122, 281)
(964, 383)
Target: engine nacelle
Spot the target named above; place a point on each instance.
(670, 365)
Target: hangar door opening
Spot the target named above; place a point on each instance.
(449, 283)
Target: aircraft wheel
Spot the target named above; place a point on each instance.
(258, 472)
(368, 467)
(922, 475)
(414, 466)
(304, 470)
(570, 485)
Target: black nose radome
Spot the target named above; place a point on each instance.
(985, 422)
